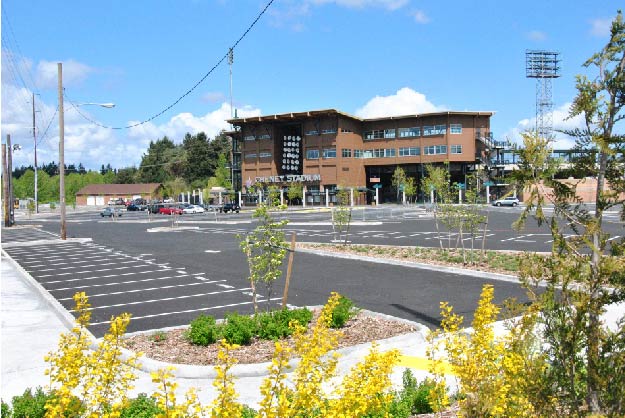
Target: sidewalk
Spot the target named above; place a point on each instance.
(31, 326)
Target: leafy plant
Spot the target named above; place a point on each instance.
(141, 407)
(29, 405)
(275, 325)
(158, 337)
(413, 398)
(203, 330)
(343, 312)
(239, 329)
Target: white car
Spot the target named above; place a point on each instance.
(506, 201)
(193, 209)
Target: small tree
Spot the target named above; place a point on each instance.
(265, 249)
(296, 191)
(410, 188)
(399, 180)
(587, 270)
(341, 216)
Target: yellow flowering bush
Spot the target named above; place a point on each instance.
(492, 372)
(95, 382)
(99, 378)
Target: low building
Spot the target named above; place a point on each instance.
(329, 149)
(101, 194)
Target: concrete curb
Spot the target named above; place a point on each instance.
(171, 229)
(412, 264)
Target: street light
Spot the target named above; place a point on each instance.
(62, 146)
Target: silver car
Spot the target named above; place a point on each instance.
(506, 201)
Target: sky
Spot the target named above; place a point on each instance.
(163, 64)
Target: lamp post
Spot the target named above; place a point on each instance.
(62, 147)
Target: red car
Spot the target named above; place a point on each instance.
(170, 210)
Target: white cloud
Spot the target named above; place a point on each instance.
(405, 102)
(600, 27)
(536, 35)
(560, 122)
(74, 73)
(420, 17)
(211, 123)
(361, 4)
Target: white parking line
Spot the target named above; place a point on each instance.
(166, 299)
(135, 318)
(130, 282)
(102, 277)
(93, 265)
(91, 271)
(141, 290)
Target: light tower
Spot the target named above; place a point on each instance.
(543, 66)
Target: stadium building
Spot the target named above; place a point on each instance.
(329, 149)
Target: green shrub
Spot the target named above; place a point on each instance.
(29, 405)
(141, 407)
(343, 312)
(5, 410)
(248, 412)
(239, 329)
(413, 398)
(203, 330)
(275, 325)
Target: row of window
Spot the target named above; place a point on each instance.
(454, 128)
(314, 154)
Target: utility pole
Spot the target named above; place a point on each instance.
(5, 185)
(35, 142)
(10, 179)
(62, 153)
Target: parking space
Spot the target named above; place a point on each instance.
(157, 295)
(27, 234)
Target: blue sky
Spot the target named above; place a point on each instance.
(364, 57)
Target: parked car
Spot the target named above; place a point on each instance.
(154, 208)
(118, 201)
(111, 212)
(506, 201)
(134, 207)
(228, 207)
(212, 208)
(193, 209)
(170, 210)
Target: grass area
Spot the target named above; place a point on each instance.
(495, 261)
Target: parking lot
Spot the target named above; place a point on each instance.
(169, 276)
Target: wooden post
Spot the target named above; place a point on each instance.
(288, 272)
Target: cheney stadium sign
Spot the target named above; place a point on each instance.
(289, 178)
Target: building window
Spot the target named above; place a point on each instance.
(264, 136)
(435, 149)
(346, 153)
(358, 153)
(456, 149)
(329, 153)
(409, 132)
(346, 130)
(312, 154)
(328, 131)
(377, 134)
(455, 128)
(250, 155)
(409, 151)
(311, 132)
(434, 130)
(265, 154)
(249, 138)
(389, 152)
(389, 133)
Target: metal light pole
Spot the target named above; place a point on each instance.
(62, 147)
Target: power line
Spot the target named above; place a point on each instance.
(223, 58)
